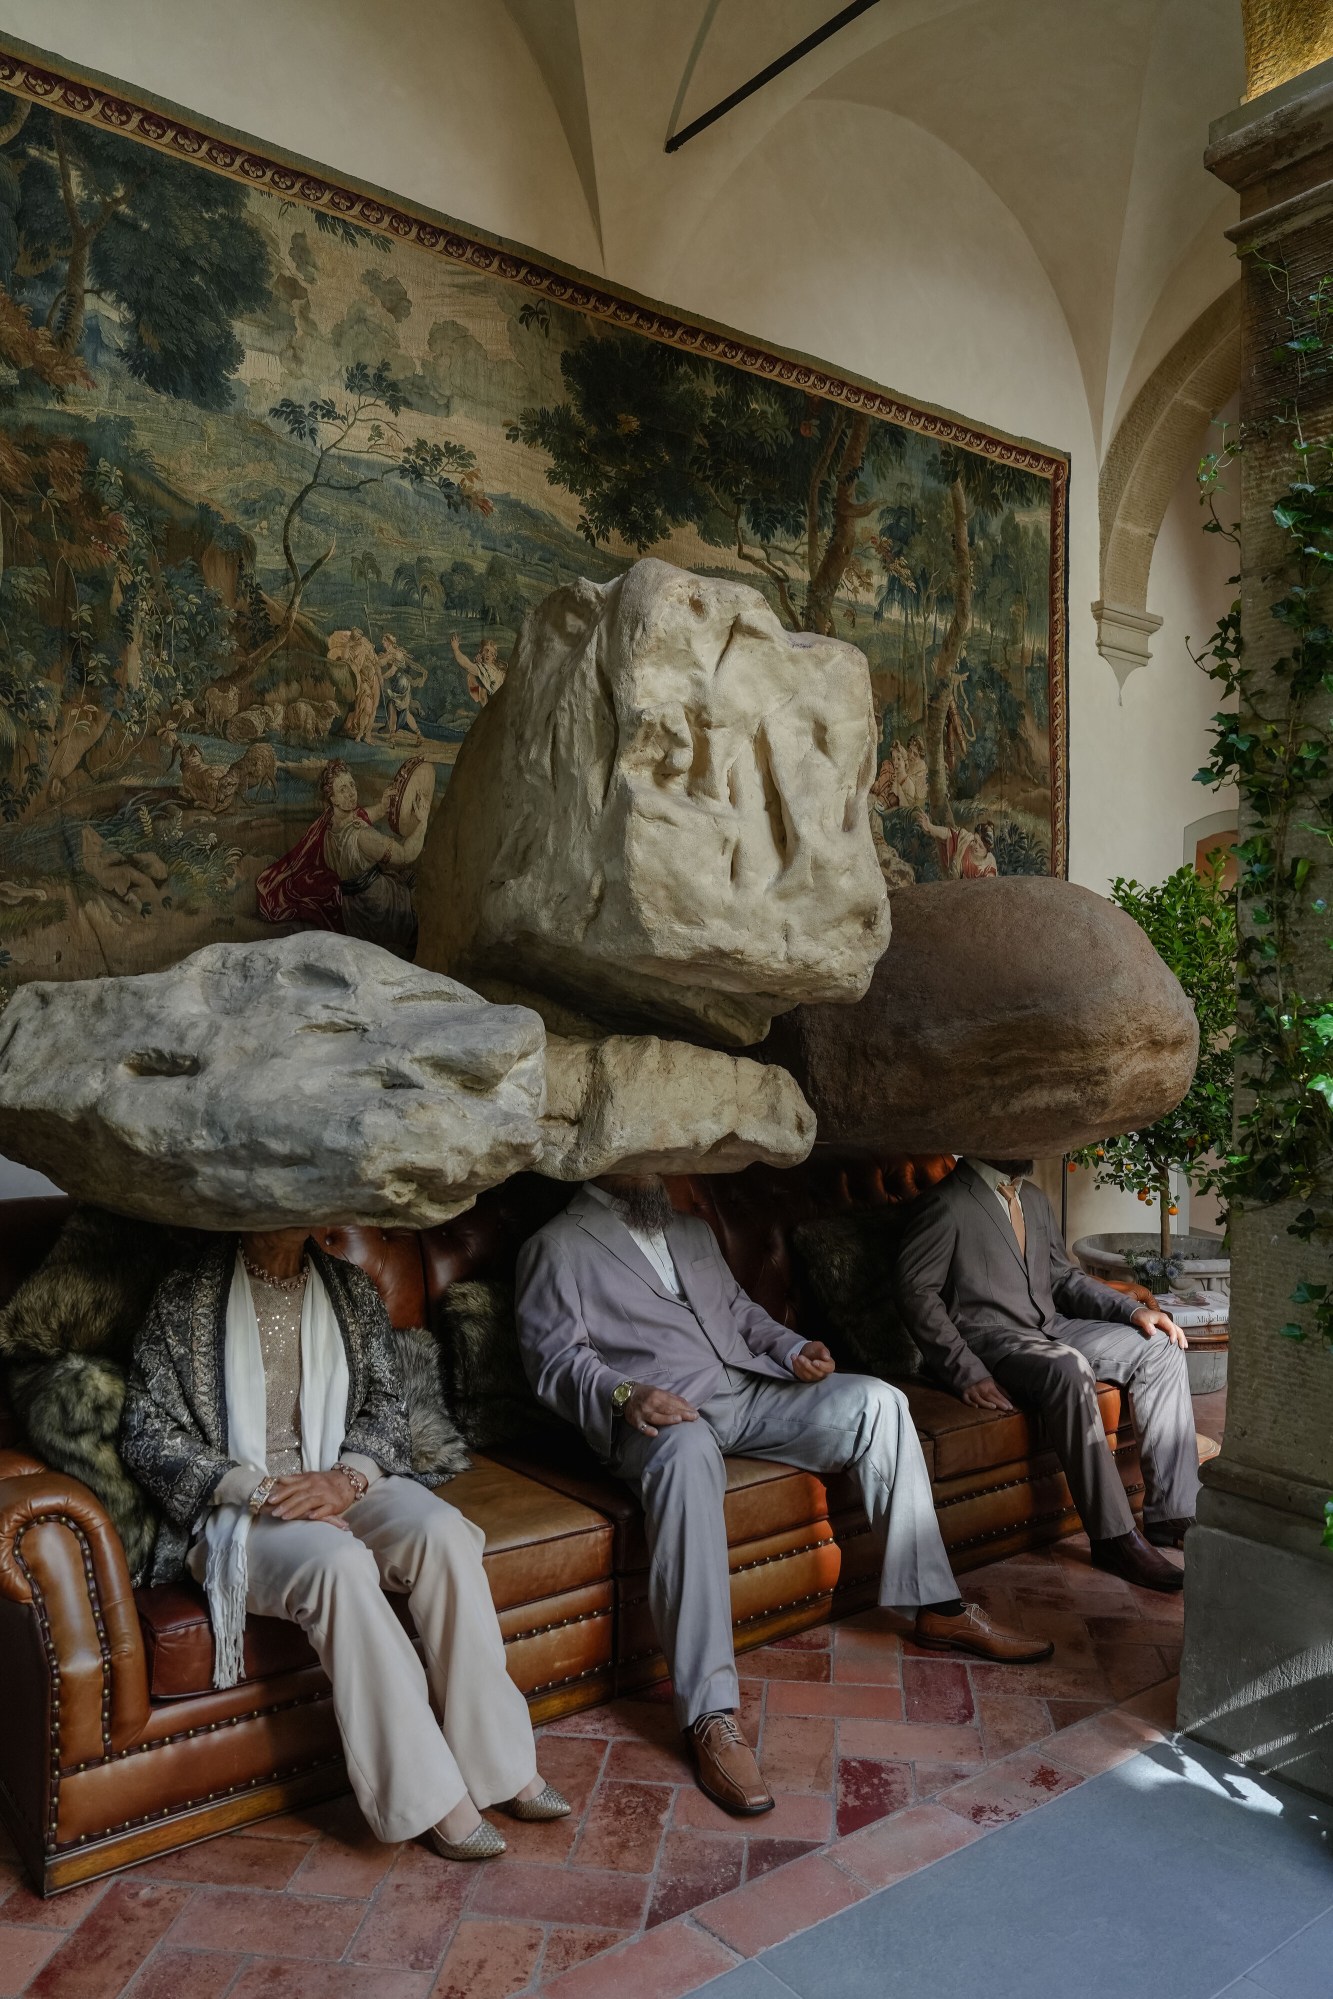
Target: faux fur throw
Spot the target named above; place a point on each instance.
(490, 1393)
(847, 1263)
(65, 1342)
(438, 1449)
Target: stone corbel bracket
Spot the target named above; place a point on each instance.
(1150, 450)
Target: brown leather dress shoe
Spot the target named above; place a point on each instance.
(976, 1633)
(1130, 1556)
(728, 1773)
(1166, 1533)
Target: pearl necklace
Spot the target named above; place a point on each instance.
(274, 1283)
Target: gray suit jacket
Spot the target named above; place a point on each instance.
(966, 1293)
(593, 1312)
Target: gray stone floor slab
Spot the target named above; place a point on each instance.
(1302, 1968)
(752, 1981)
(1176, 1873)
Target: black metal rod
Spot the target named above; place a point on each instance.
(812, 41)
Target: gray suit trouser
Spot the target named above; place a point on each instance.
(1057, 1378)
(850, 1422)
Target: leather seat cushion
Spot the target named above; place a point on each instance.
(539, 1545)
(762, 1498)
(958, 1439)
(540, 1542)
(178, 1642)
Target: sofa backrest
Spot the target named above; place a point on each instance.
(751, 1214)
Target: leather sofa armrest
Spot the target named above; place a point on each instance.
(60, 1555)
(19, 1464)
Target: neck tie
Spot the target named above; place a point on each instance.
(1015, 1207)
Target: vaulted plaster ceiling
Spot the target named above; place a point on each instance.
(1086, 118)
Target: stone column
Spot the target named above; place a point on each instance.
(1257, 1673)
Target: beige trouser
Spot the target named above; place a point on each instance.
(406, 1769)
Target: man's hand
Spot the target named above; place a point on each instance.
(987, 1394)
(812, 1362)
(312, 1495)
(1152, 1319)
(652, 1409)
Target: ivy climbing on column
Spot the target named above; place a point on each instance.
(1276, 747)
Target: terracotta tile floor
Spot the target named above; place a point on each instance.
(882, 1758)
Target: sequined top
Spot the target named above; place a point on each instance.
(278, 1312)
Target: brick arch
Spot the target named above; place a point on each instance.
(1154, 443)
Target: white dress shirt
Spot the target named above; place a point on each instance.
(995, 1180)
(653, 1242)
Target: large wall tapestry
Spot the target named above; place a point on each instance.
(282, 468)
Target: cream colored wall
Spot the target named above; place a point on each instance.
(835, 228)
(1162, 740)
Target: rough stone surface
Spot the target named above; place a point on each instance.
(637, 1104)
(1258, 1638)
(309, 1079)
(662, 816)
(1014, 1016)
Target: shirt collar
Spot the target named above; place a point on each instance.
(992, 1178)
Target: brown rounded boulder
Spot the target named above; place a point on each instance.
(1012, 1017)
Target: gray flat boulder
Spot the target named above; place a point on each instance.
(311, 1078)
(1012, 1017)
(661, 816)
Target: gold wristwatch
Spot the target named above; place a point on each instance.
(620, 1395)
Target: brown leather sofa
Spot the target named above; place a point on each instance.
(113, 1744)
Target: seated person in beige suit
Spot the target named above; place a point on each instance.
(633, 1327)
(265, 1416)
(987, 1291)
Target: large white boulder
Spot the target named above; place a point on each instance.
(632, 1103)
(311, 1078)
(661, 816)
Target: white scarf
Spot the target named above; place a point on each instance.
(324, 1386)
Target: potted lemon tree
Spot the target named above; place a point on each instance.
(1190, 920)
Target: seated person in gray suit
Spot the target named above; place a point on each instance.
(987, 1291)
(633, 1327)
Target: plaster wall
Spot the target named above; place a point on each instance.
(847, 232)
(1161, 739)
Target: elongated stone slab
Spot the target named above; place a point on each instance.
(638, 1104)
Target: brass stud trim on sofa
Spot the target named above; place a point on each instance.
(193, 1804)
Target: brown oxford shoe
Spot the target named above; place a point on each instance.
(1130, 1556)
(1167, 1533)
(974, 1632)
(728, 1773)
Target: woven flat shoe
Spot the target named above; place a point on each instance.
(482, 1843)
(547, 1804)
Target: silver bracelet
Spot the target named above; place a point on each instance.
(258, 1499)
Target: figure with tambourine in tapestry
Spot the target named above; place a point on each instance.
(346, 872)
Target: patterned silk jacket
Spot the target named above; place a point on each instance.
(174, 1428)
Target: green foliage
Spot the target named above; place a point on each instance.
(652, 438)
(1277, 749)
(167, 246)
(1020, 852)
(344, 434)
(1190, 921)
